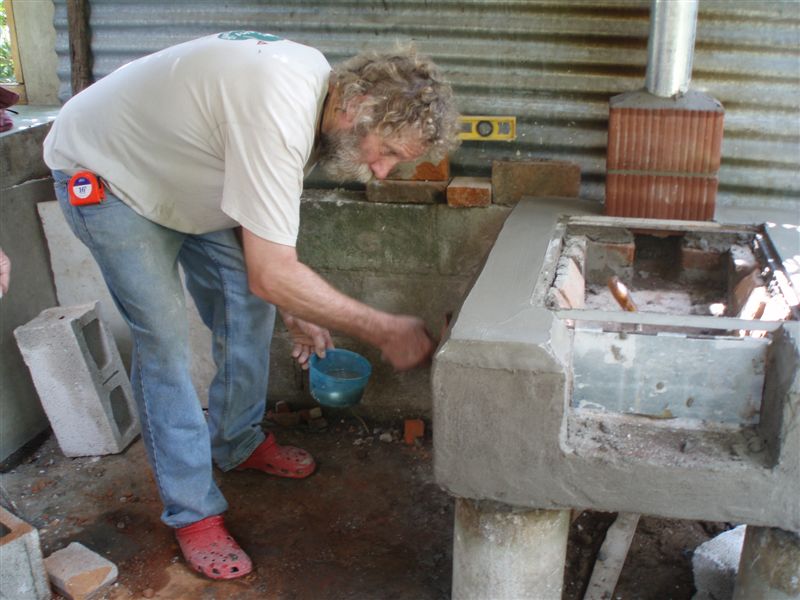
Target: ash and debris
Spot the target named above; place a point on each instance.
(673, 442)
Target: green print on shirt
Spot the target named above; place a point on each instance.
(249, 35)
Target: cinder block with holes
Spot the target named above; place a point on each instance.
(80, 379)
(22, 572)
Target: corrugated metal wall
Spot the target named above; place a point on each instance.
(552, 63)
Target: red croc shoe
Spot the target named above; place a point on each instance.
(283, 461)
(210, 550)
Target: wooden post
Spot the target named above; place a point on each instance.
(80, 46)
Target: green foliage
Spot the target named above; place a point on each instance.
(6, 64)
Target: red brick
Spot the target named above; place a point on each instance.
(570, 286)
(703, 260)
(469, 191)
(406, 192)
(511, 180)
(413, 429)
(619, 253)
(743, 290)
(755, 304)
(423, 171)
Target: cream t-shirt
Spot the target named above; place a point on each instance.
(204, 135)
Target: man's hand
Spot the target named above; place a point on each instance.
(308, 338)
(409, 344)
(5, 272)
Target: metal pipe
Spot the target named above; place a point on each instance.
(670, 47)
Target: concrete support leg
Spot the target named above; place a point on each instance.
(505, 553)
(770, 565)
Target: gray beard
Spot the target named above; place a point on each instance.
(340, 157)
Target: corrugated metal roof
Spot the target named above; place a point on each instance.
(553, 64)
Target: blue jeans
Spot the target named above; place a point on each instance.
(139, 262)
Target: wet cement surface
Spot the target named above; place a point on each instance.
(369, 524)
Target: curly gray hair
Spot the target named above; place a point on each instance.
(403, 92)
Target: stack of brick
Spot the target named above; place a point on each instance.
(422, 183)
(511, 180)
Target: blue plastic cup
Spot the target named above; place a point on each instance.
(339, 379)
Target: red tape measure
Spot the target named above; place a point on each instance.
(85, 188)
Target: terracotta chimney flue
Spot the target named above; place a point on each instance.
(665, 142)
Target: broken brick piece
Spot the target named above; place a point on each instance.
(469, 192)
(427, 171)
(281, 406)
(413, 429)
(424, 170)
(284, 419)
(406, 192)
(78, 573)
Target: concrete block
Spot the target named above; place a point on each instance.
(78, 573)
(465, 237)
(469, 191)
(406, 192)
(430, 298)
(22, 240)
(21, 156)
(22, 570)
(80, 379)
(511, 180)
(715, 564)
(341, 231)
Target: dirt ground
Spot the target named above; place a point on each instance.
(371, 523)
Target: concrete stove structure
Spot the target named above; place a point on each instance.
(543, 402)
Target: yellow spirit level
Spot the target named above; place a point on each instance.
(488, 129)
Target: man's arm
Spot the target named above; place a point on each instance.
(275, 274)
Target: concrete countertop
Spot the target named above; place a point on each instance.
(501, 307)
(30, 116)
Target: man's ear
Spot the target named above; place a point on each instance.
(350, 111)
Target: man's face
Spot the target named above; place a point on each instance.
(347, 156)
